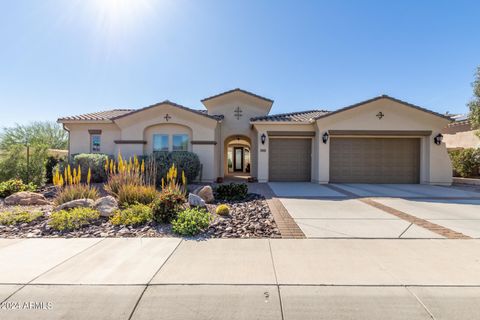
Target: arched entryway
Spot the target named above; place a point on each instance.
(237, 156)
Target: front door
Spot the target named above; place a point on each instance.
(237, 159)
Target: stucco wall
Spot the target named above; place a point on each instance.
(232, 127)
(80, 137)
(142, 126)
(435, 165)
(169, 129)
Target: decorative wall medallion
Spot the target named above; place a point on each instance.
(237, 112)
(380, 115)
(167, 117)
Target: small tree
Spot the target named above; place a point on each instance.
(49, 134)
(474, 105)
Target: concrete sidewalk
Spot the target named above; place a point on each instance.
(169, 278)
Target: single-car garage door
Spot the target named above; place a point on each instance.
(289, 159)
(374, 160)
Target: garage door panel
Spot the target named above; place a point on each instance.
(374, 160)
(289, 159)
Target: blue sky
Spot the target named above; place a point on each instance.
(62, 57)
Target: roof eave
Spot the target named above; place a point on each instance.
(353, 106)
(282, 122)
(67, 121)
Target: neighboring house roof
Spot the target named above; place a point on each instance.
(300, 116)
(237, 90)
(384, 97)
(114, 114)
(98, 116)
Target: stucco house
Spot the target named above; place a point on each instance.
(381, 140)
(459, 134)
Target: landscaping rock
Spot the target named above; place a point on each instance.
(84, 203)
(106, 206)
(250, 218)
(206, 193)
(196, 201)
(26, 198)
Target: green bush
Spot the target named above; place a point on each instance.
(75, 192)
(189, 222)
(166, 206)
(94, 161)
(14, 185)
(466, 162)
(185, 161)
(131, 194)
(132, 215)
(14, 165)
(51, 163)
(222, 210)
(18, 216)
(74, 219)
(232, 191)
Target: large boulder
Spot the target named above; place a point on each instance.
(195, 201)
(83, 203)
(106, 206)
(26, 198)
(206, 193)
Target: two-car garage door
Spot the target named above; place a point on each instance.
(374, 160)
(352, 159)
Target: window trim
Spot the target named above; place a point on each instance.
(160, 135)
(92, 136)
(180, 135)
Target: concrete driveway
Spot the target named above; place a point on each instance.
(381, 211)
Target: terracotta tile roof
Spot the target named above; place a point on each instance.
(173, 104)
(384, 96)
(98, 116)
(239, 90)
(120, 113)
(300, 116)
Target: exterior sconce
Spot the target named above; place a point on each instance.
(438, 139)
(263, 137)
(325, 137)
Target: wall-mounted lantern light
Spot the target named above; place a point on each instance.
(438, 139)
(325, 137)
(263, 137)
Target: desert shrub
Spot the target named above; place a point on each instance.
(466, 162)
(94, 161)
(51, 164)
(75, 192)
(117, 181)
(185, 161)
(132, 172)
(73, 219)
(130, 194)
(166, 206)
(13, 164)
(222, 210)
(14, 185)
(132, 215)
(18, 216)
(189, 222)
(232, 191)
